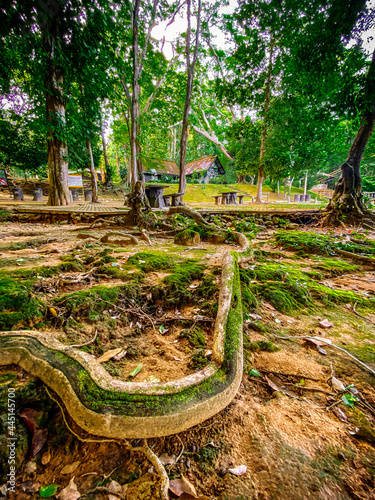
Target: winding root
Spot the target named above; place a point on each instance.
(189, 213)
(354, 256)
(145, 237)
(133, 239)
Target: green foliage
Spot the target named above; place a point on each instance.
(90, 303)
(262, 345)
(290, 289)
(17, 305)
(155, 261)
(195, 337)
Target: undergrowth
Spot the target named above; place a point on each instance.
(18, 306)
(290, 289)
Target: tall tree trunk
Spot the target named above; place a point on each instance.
(346, 202)
(57, 149)
(305, 186)
(264, 127)
(108, 173)
(94, 184)
(189, 89)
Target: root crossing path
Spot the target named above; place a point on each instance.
(104, 406)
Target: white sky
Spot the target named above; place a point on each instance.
(179, 26)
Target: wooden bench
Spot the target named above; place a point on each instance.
(240, 199)
(172, 199)
(217, 198)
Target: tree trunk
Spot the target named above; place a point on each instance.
(57, 149)
(258, 198)
(189, 89)
(94, 184)
(346, 202)
(347, 196)
(108, 173)
(305, 186)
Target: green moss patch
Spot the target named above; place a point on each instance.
(18, 307)
(290, 289)
(90, 303)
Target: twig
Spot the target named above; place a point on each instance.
(328, 344)
(132, 310)
(334, 404)
(83, 440)
(290, 375)
(312, 389)
(181, 318)
(360, 315)
(86, 343)
(183, 448)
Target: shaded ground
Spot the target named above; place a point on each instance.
(288, 425)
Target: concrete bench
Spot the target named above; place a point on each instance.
(217, 198)
(172, 199)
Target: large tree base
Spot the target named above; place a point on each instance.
(347, 210)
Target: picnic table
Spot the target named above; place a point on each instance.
(154, 194)
(229, 198)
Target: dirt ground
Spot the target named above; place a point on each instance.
(288, 424)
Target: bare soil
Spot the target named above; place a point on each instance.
(293, 441)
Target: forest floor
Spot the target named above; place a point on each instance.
(303, 419)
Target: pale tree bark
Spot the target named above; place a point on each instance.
(305, 185)
(94, 184)
(135, 170)
(108, 173)
(57, 149)
(190, 64)
(264, 127)
(346, 203)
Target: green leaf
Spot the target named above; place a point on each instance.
(49, 490)
(349, 399)
(136, 371)
(161, 328)
(254, 373)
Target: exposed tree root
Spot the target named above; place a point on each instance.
(354, 256)
(189, 213)
(133, 239)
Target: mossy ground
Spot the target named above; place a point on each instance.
(290, 446)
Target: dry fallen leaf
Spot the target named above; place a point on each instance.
(166, 459)
(238, 471)
(182, 485)
(68, 469)
(46, 457)
(340, 414)
(268, 306)
(70, 492)
(109, 354)
(325, 324)
(116, 489)
(337, 384)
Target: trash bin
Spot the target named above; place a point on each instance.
(38, 194)
(17, 194)
(296, 198)
(74, 194)
(88, 195)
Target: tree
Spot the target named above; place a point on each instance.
(45, 48)
(190, 67)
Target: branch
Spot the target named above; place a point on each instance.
(159, 83)
(151, 25)
(215, 140)
(195, 56)
(126, 90)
